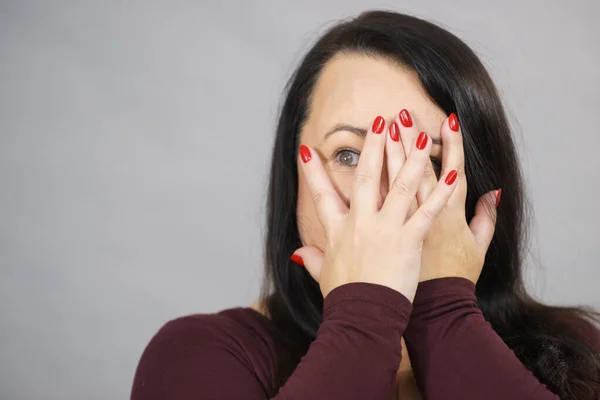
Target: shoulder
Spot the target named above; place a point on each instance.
(234, 341)
(242, 331)
(245, 325)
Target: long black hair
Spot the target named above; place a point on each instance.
(456, 81)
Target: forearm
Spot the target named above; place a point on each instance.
(456, 354)
(357, 350)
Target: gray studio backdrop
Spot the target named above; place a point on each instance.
(134, 148)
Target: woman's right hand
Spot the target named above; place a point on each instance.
(366, 243)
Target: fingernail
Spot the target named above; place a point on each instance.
(378, 124)
(498, 195)
(394, 132)
(405, 119)
(451, 177)
(453, 122)
(297, 259)
(305, 153)
(422, 141)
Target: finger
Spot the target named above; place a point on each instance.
(408, 130)
(453, 158)
(396, 157)
(394, 153)
(483, 224)
(423, 219)
(367, 178)
(409, 133)
(328, 204)
(428, 183)
(406, 182)
(310, 258)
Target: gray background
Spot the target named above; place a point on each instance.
(134, 145)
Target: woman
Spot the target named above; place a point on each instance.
(409, 284)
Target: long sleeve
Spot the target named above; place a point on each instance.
(355, 355)
(455, 353)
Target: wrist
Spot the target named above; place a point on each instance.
(442, 295)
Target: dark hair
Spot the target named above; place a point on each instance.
(456, 81)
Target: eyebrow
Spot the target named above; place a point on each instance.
(362, 132)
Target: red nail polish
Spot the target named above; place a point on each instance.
(405, 119)
(297, 259)
(394, 132)
(453, 122)
(451, 177)
(305, 153)
(422, 141)
(378, 124)
(498, 195)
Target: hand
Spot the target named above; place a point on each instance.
(452, 247)
(364, 243)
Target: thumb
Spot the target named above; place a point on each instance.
(310, 258)
(483, 223)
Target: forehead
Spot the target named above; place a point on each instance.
(354, 89)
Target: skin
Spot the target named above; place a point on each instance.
(352, 90)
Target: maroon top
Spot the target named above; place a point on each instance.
(454, 352)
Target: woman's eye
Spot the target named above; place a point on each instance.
(347, 158)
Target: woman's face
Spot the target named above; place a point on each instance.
(352, 90)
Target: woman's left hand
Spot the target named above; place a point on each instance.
(453, 248)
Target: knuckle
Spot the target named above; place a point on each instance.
(429, 172)
(427, 215)
(460, 172)
(359, 232)
(318, 196)
(400, 187)
(363, 177)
